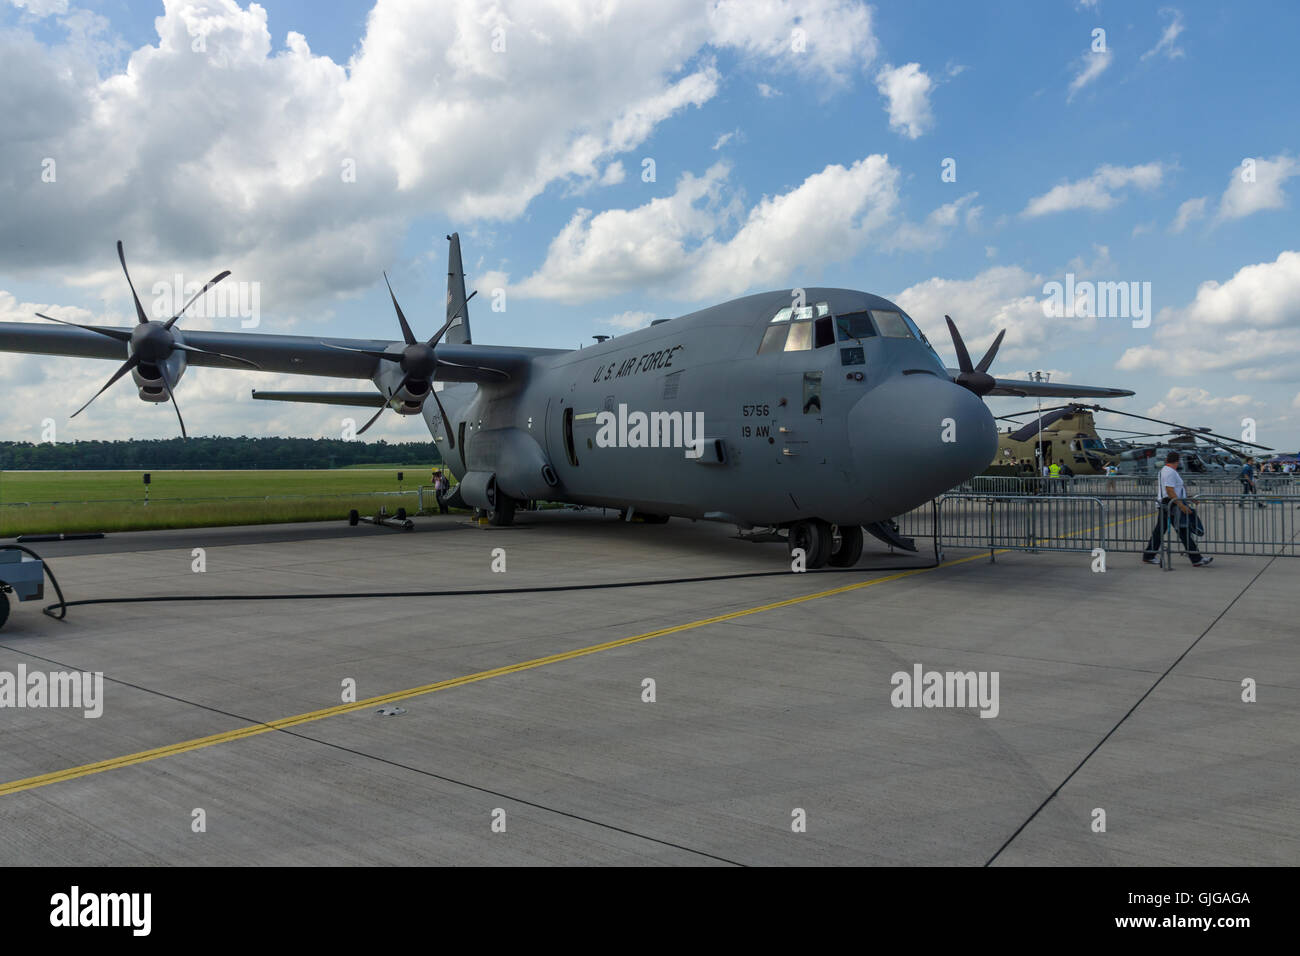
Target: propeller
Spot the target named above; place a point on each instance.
(418, 360)
(976, 378)
(151, 342)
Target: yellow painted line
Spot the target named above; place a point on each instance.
(284, 723)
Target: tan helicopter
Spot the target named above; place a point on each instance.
(1070, 435)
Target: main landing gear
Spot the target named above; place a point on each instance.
(824, 543)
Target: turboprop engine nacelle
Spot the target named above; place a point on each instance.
(409, 398)
(148, 378)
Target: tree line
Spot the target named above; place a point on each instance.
(211, 453)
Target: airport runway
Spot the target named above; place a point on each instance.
(772, 696)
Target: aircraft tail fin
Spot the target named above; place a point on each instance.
(458, 334)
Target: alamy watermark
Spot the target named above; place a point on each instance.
(77, 690)
(652, 430)
(959, 689)
(1100, 300)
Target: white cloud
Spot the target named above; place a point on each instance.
(613, 175)
(1168, 39)
(907, 89)
(629, 321)
(835, 39)
(1097, 192)
(767, 92)
(1188, 212)
(1001, 297)
(1184, 399)
(240, 155)
(1248, 325)
(722, 140)
(1091, 66)
(938, 224)
(1242, 198)
(676, 243)
(42, 8)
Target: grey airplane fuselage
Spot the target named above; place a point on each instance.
(787, 435)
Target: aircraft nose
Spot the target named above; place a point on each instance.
(916, 436)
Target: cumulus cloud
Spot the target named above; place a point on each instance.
(827, 40)
(1184, 399)
(1248, 325)
(677, 244)
(1001, 297)
(1096, 192)
(629, 321)
(1167, 44)
(1255, 186)
(907, 90)
(217, 146)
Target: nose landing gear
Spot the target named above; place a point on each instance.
(823, 543)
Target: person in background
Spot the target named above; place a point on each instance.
(440, 486)
(1248, 486)
(1172, 494)
(1111, 470)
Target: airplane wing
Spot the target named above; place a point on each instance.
(1023, 389)
(359, 399)
(292, 354)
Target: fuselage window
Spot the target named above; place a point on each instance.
(854, 325)
(852, 356)
(823, 332)
(891, 324)
(800, 337)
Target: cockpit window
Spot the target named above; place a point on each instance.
(892, 324)
(773, 338)
(854, 325)
(800, 338)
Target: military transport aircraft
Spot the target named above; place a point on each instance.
(816, 411)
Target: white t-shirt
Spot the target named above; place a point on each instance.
(1170, 478)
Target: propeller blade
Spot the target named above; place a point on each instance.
(387, 356)
(233, 358)
(448, 324)
(162, 373)
(407, 334)
(130, 363)
(1029, 430)
(366, 426)
(987, 360)
(139, 309)
(110, 333)
(963, 357)
(478, 368)
(213, 281)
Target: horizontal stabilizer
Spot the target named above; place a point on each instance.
(362, 399)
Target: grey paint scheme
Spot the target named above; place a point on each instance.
(874, 450)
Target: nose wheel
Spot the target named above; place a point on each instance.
(846, 546)
(813, 537)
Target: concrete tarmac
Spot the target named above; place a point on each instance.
(527, 736)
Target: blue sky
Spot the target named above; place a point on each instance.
(781, 158)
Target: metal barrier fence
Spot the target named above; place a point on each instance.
(1256, 527)
(1267, 486)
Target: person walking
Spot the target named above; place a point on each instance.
(440, 486)
(1172, 494)
(1248, 486)
(1053, 477)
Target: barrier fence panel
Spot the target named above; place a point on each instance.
(1022, 522)
(1266, 528)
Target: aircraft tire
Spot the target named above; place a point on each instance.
(814, 536)
(503, 512)
(850, 547)
(354, 517)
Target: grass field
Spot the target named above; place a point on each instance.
(33, 502)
